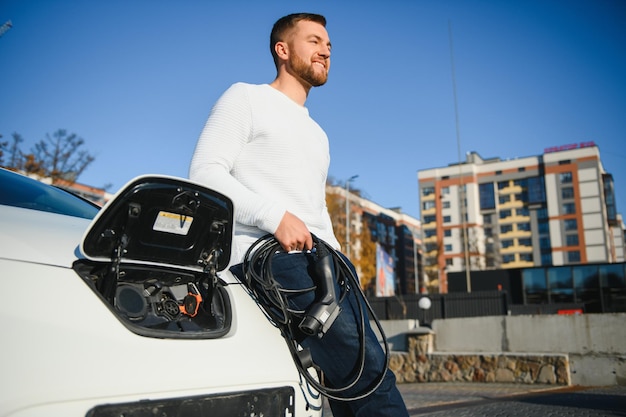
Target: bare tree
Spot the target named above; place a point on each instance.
(15, 157)
(59, 157)
(3, 148)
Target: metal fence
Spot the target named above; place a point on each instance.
(474, 304)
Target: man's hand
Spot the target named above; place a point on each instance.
(292, 234)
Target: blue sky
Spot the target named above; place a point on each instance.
(137, 79)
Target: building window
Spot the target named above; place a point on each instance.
(506, 228)
(567, 193)
(561, 285)
(502, 184)
(430, 219)
(524, 227)
(428, 191)
(526, 257)
(565, 177)
(448, 248)
(565, 162)
(428, 205)
(503, 199)
(570, 224)
(508, 258)
(522, 211)
(573, 256)
(447, 219)
(507, 243)
(430, 232)
(609, 195)
(449, 262)
(447, 233)
(487, 196)
(505, 213)
(498, 172)
(521, 197)
(546, 259)
(544, 243)
(543, 228)
(571, 240)
(569, 208)
(445, 204)
(535, 285)
(536, 190)
(487, 218)
(521, 169)
(445, 190)
(525, 242)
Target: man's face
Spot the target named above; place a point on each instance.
(309, 53)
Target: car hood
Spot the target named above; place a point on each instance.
(40, 237)
(162, 220)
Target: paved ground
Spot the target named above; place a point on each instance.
(510, 400)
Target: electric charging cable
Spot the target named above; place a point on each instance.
(296, 324)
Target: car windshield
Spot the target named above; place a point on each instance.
(20, 191)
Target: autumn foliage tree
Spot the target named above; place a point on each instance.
(365, 260)
(59, 157)
(366, 263)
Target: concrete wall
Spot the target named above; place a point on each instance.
(595, 343)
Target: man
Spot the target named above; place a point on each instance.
(261, 148)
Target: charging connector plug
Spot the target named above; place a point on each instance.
(322, 314)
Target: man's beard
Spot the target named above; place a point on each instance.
(306, 71)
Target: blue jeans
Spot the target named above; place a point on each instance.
(338, 351)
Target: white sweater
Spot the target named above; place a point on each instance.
(263, 150)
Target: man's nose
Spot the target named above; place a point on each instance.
(324, 51)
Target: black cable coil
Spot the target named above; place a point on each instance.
(274, 301)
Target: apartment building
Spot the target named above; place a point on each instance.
(557, 208)
(397, 233)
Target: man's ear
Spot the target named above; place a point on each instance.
(282, 50)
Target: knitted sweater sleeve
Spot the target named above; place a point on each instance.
(227, 130)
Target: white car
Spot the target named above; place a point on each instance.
(130, 310)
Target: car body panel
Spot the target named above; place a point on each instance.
(59, 357)
(66, 350)
(22, 231)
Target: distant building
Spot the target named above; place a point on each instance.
(398, 234)
(553, 209)
(96, 195)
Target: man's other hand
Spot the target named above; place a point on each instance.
(292, 234)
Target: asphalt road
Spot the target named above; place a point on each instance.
(510, 400)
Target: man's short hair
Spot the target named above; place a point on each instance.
(286, 23)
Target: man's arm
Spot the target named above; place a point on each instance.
(226, 132)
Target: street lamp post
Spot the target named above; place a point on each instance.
(415, 276)
(424, 304)
(352, 178)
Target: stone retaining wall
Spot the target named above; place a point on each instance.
(419, 364)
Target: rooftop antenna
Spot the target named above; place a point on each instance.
(462, 192)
